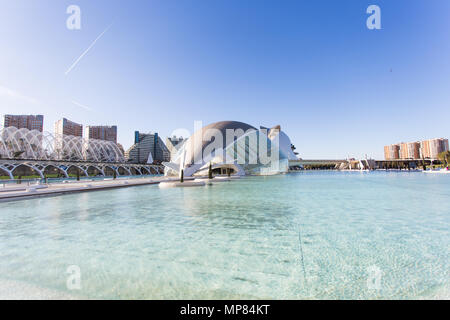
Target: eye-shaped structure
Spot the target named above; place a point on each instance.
(34, 145)
(232, 147)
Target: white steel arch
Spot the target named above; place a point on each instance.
(34, 145)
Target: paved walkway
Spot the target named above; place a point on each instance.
(25, 191)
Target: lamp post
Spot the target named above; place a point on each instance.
(210, 171)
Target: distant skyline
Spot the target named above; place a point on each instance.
(336, 88)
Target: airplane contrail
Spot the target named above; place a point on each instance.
(82, 106)
(86, 51)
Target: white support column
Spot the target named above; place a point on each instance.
(127, 169)
(8, 172)
(61, 167)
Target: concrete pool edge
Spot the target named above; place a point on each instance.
(62, 189)
(52, 190)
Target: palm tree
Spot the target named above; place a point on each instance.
(293, 149)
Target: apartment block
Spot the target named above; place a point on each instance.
(392, 152)
(426, 149)
(108, 133)
(409, 150)
(30, 122)
(429, 149)
(68, 128)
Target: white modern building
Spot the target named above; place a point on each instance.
(233, 147)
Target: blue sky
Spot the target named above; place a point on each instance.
(335, 87)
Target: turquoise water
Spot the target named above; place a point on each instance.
(73, 179)
(311, 235)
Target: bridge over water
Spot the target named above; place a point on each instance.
(36, 152)
(364, 163)
(40, 167)
(315, 162)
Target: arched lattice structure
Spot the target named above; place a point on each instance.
(38, 151)
(38, 167)
(20, 144)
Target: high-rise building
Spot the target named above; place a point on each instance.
(173, 144)
(403, 152)
(31, 122)
(108, 133)
(147, 148)
(409, 150)
(426, 149)
(392, 152)
(413, 150)
(68, 128)
(63, 128)
(429, 149)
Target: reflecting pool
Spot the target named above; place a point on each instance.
(309, 235)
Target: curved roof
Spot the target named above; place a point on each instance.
(284, 143)
(222, 126)
(194, 151)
